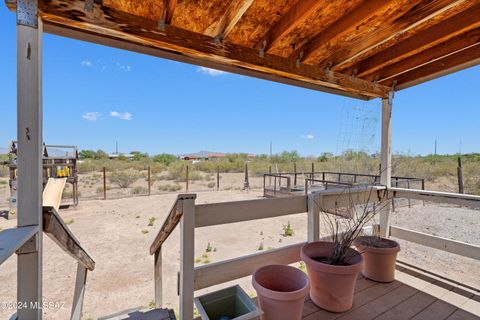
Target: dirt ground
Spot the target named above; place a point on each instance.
(117, 235)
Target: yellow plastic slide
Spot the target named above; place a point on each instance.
(52, 194)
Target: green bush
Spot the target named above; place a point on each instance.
(124, 179)
(139, 190)
(169, 187)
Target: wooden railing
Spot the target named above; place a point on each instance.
(21, 238)
(192, 216)
(444, 244)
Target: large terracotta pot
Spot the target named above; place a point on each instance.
(379, 263)
(331, 286)
(281, 291)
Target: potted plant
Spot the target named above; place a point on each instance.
(333, 266)
(379, 256)
(281, 291)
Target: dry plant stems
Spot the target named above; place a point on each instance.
(345, 230)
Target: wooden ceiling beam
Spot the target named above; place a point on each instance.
(456, 25)
(180, 44)
(288, 22)
(233, 14)
(411, 16)
(168, 9)
(452, 63)
(348, 23)
(453, 46)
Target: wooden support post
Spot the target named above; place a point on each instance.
(312, 176)
(30, 152)
(270, 176)
(386, 163)
(187, 253)
(313, 217)
(246, 183)
(294, 174)
(323, 176)
(79, 293)
(186, 179)
(460, 175)
(149, 178)
(158, 278)
(104, 183)
(218, 178)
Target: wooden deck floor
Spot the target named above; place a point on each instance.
(415, 294)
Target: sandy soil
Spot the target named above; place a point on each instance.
(117, 235)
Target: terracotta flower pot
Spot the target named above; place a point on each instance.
(281, 291)
(379, 262)
(331, 286)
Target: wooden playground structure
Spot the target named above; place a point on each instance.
(361, 49)
(58, 161)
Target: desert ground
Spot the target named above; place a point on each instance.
(117, 235)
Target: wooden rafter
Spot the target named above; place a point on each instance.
(412, 16)
(438, 52)
(452, 63)
(232, 15)
(294, 17)
(348, 23)
(183, 45)
(444, 31)
(168, 9)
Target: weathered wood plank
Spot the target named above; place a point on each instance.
(230, 18)
(170, 222)
(436, 196)
(57, 230)
(30, 151)
(187, 256)
(433, 54)
(296, 16)
(452, 246)
(444, 31)
(168, 9)
(409, 307)
(158, 277)
(386, 161)
(13, 239)
(438, 310)
(451, 63)
(381, 305)
(119, 25)
(346, 24)
(79, 293)
(237, 211)
(223, 271)
(410, 18)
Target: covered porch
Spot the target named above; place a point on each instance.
(366, 50)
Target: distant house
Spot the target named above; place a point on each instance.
(129, 156)
(206, 155)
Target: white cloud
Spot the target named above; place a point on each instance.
(307, 136)
(86, 63)
(91, 116)
(210, 72)
(123, 116)
(124, 67)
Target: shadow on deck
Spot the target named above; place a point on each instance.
(414, 294)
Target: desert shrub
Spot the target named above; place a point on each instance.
(139, 190)
(169, 187)
(3, 182)
(211, 184)
(99, 190)
(164, 158)
(124, 179)
(67, 194)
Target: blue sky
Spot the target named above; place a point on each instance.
(95, 95)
